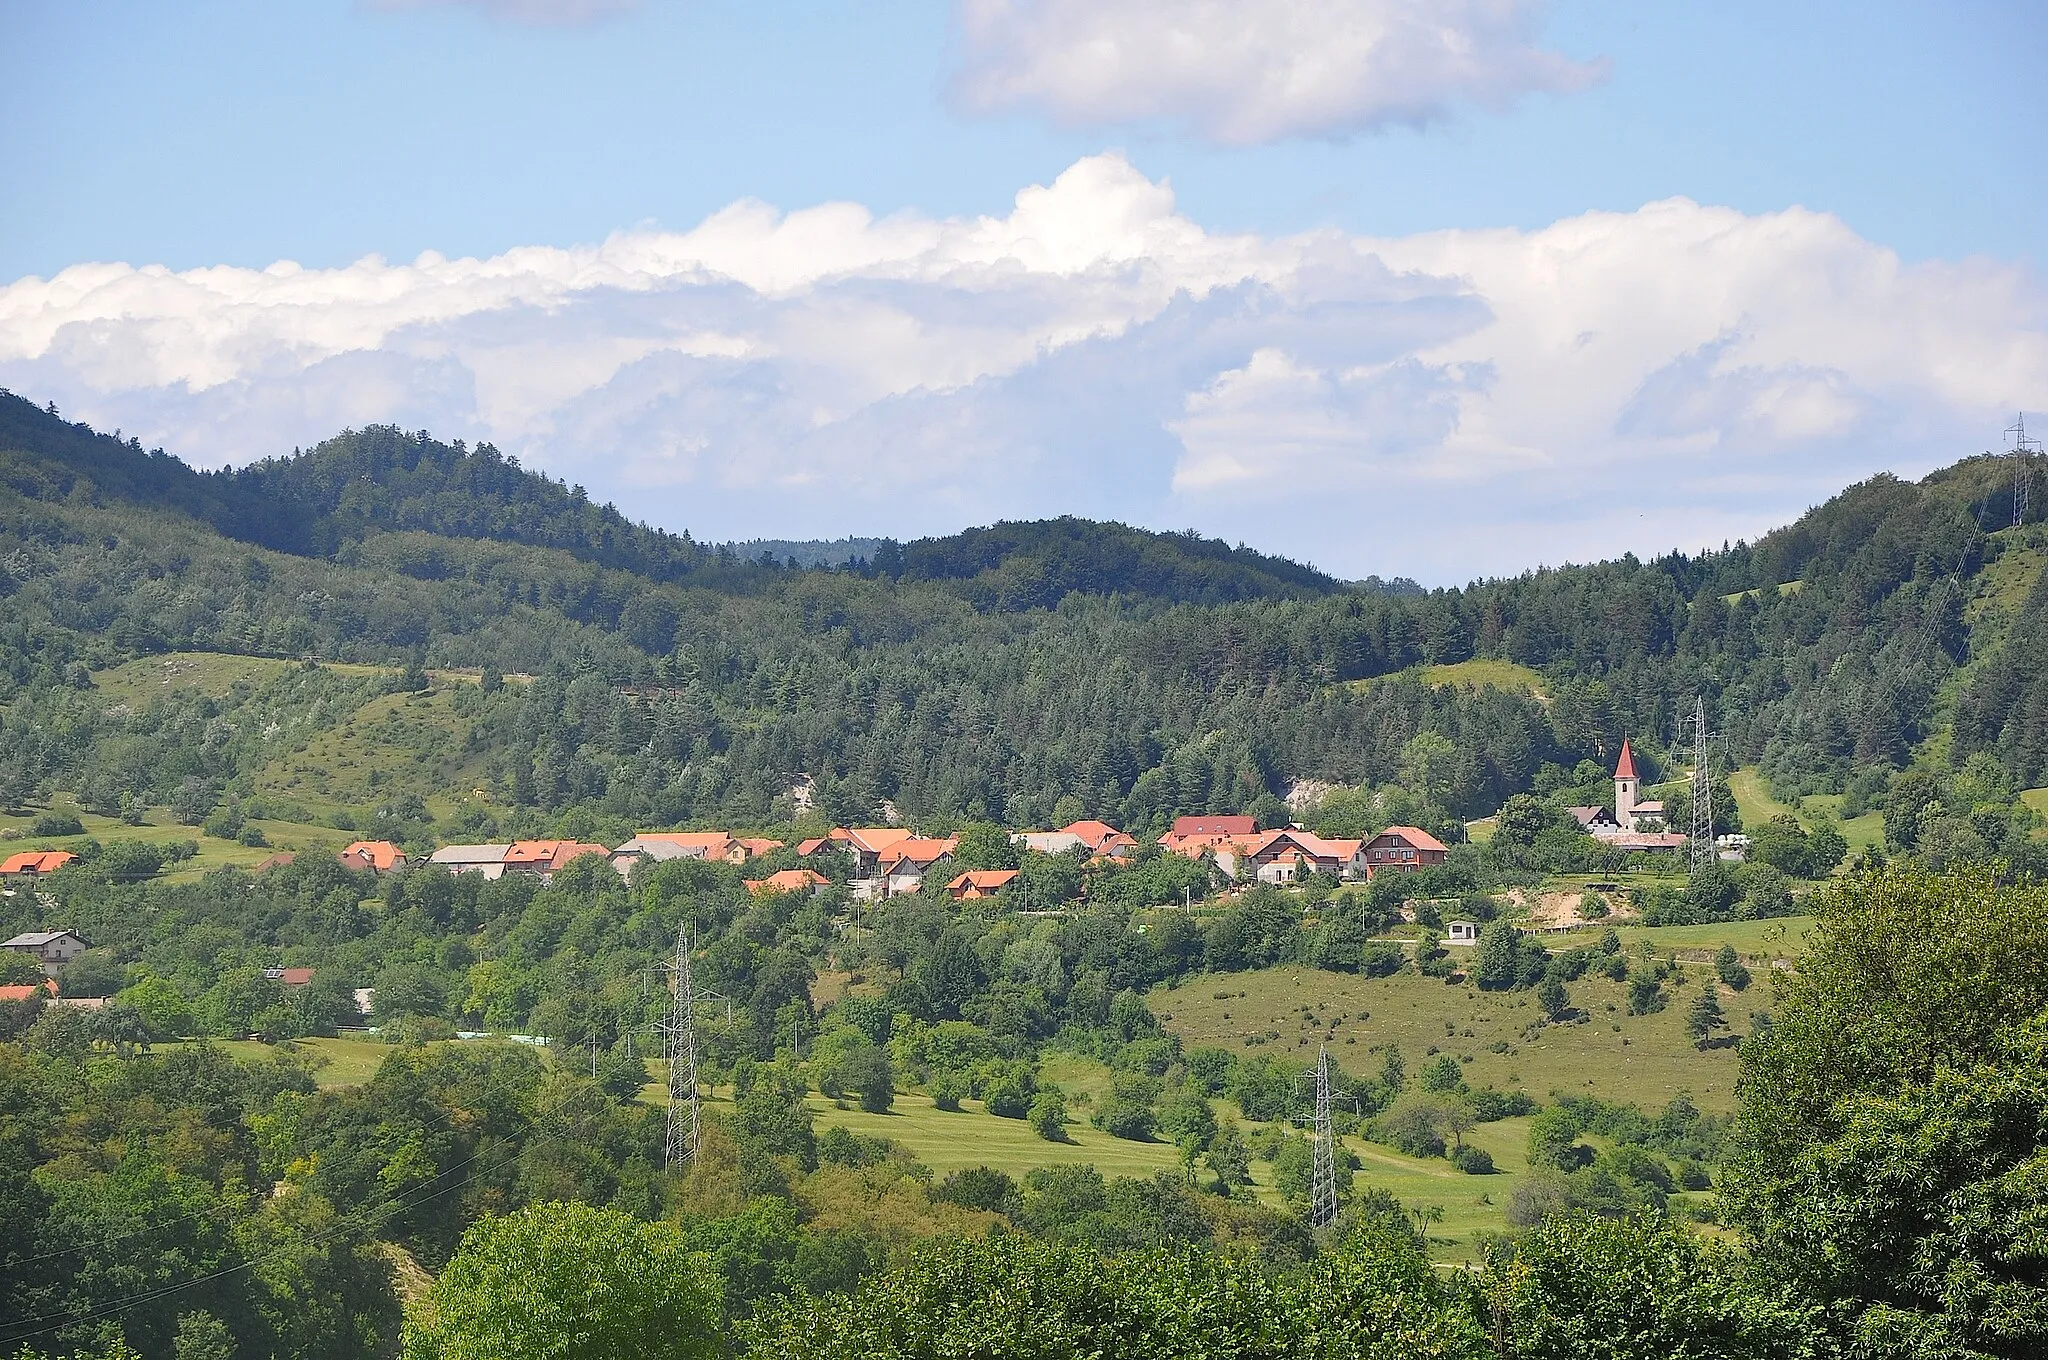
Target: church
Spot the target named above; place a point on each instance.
(1637, 823)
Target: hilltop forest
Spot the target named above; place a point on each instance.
(987, 675)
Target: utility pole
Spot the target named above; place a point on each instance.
(1323, 1153)
(683, 1113)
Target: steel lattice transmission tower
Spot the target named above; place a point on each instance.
(681, 1029)
(1700, 847)
(1323, 1153)
(2022, 452)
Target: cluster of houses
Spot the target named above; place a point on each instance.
(888, 860)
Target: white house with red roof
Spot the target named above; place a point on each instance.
(979, 883)
(904, 866)
(546, 858)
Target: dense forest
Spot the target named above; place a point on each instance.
(986, 675)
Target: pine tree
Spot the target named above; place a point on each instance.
(1705, 1017)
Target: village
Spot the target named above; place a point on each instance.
(880, 862)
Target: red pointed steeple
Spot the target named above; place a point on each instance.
(1626, 769)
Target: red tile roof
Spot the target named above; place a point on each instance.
(1626, 767)
(918, 850)
(1096, 835)
(36, 862)
(789, 880)
(381, 856)
(1416, 837)
(24, 990)
(1214, 826)
(981, 882)
(873, 839)
(549, 855)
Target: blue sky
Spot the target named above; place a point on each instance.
(1256, 296)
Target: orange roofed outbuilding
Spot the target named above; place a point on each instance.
(787, 881)
(31, 863)
(979, 883)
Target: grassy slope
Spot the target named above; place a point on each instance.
(1754, 800)
(947, 1141)
(394, 745)
(214, 853)
(1460, 1206)
(1289, 1011)
(347, 1061)
(1474, 674)
(1753, 797)
(1479, 673)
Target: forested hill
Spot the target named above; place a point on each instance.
(1898, 625)
(381, 479)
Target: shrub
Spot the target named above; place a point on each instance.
(1049, 1115)
(1009, 1095)
(1136, 1123)
(57, 824)
(1728, 967)
(1645, 994)
(1473, 1161)
(946, 1092)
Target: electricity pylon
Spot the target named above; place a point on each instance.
(1322, 1209)
(1701, 846)
(684, 1116)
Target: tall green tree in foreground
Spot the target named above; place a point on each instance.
(1890, 1154)
(568, 1282)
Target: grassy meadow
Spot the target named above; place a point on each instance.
(1290, 1012)
(349, 1060)
(214, 853)
(396, 744)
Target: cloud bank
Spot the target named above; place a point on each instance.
(1443, 405)
(1240, 74)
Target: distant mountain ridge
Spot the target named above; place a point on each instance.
(382, 479)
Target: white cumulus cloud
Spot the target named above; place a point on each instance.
(1440, 405)
(1242, 73)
